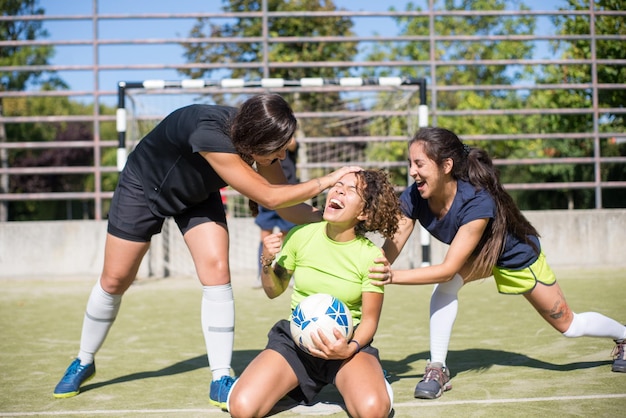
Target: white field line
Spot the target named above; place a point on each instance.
(325, 408)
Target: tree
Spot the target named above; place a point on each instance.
(21, 55)
(240, 52)
(462, 75)
(24, 30)
(20, 30)
(253, 52)
(606, 49)
(55, 157)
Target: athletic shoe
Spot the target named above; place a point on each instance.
(436, 381)
(619, 356)
(218, 394)
(74, 376)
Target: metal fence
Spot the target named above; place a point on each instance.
(100, 94)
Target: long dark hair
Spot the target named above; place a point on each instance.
(475, 166)
(263, 124)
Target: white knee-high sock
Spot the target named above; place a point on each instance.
(102, 309)
(444, 305)
(218, 326)
(592, 324)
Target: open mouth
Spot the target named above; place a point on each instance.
(335, 204)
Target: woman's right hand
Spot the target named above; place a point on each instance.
(336, 175)
(380, 273)
(272, 245)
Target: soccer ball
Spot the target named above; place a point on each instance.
(319, 311)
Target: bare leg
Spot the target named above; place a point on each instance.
(550, 302)
(361, 382)
(122, 259)
(266, 380)
(208, 244)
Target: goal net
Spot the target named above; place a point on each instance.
(355, 121)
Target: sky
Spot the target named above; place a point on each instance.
(77, 55)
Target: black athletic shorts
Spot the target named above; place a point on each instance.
(130, 217)
(313, 372)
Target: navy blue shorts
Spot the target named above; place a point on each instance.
(269, 219)
(313, 372)
(130, 217)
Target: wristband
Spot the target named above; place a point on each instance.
(266, 262)
(358, 346)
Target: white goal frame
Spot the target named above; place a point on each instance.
(278, 85)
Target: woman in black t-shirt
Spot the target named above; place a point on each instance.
(178, 170)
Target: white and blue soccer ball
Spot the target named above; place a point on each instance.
(319, 312)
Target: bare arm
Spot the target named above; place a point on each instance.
(342, 348)
(300, 214)
(275, 279)
(259, 186)
(392, 248)
(458, 254)
(371, 310)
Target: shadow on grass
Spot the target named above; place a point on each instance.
(476, 359)
(241, 358)
(459, 361)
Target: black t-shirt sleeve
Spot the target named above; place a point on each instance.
(212, 131)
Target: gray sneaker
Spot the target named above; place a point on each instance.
(619, 356)
(436, 381)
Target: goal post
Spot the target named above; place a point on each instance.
(366, 105)
(266, 83)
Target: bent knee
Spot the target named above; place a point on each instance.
(372, 406)
(239, 406)
(115, 285)
(242, 405)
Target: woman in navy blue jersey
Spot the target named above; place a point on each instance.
(177, 170)
(458, 198)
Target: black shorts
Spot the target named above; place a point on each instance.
(313, 372)
(130, 217)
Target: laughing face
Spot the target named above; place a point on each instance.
(428, 176)
(344, 203)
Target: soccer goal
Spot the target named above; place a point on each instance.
(356, 121)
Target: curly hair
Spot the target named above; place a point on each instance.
(382, 205)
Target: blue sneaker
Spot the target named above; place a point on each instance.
(75, 375)
(219, 391)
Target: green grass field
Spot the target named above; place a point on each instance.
(504, 359)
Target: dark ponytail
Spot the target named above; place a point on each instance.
(475, 166)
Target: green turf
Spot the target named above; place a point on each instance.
(505, 360)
